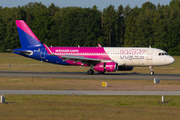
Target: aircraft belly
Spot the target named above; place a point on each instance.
(135, 62)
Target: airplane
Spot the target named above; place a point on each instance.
(100, 59)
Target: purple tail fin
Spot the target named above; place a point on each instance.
(27, 37)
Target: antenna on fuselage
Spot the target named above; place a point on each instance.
(99, 45)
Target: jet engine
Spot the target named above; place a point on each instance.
(125, 68)
(106, 67)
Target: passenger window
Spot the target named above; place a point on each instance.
(162, 53)
(159, 54)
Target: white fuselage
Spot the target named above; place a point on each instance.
(139, 56)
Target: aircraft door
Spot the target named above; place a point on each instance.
(150, 55)
(42, 54)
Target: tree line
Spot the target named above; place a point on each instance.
(155, 26)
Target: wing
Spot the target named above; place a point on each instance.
(87, 61)
(84, 60)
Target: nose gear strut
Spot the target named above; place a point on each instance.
(151, 68)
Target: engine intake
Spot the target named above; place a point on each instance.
(106, 67)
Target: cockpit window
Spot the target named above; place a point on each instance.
(162, 54)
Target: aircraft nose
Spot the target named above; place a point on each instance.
(171, 60)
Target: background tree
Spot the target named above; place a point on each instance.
(157, 26)
(109, 25)
(120, 26)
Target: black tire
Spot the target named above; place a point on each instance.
(151, 73)
(101, 72)
(90, 72)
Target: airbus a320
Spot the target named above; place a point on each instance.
(100, 59)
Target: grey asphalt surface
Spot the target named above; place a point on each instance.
(83, 75)
(76, 92)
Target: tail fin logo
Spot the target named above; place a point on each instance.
(27, 37)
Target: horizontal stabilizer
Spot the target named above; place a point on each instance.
(9, 50)
(27, 52)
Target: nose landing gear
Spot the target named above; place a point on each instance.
(151, 68)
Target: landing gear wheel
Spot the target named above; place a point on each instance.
(90, 72)
(151, 68)
(101, 72)
(151, 73)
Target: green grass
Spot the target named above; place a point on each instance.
(19, 63)
(38, 107)
(23, 83)
(89, 107)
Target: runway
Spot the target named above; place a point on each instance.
(76, 92)
(83, 75)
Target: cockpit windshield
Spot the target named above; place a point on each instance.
(161, 54)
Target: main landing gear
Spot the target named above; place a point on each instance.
(101, 72)
(90, 72)
(151, 68)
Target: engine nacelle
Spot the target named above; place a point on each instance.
(106, 67)
(125, 68)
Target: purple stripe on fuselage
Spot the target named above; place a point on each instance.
(23, 26)
(88, 52)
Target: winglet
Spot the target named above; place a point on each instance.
(47, 49)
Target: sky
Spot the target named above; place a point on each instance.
(101, 4)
